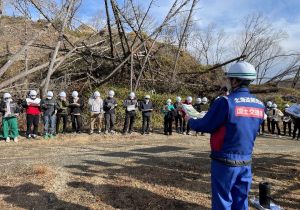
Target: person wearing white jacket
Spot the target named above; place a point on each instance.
(275, 118)
(96, 112)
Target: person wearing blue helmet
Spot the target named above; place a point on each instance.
(233, 122)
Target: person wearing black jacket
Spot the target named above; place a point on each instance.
(178, 115)
(296, 122)
(146, 107)
(109, 106)
(76, 107)
(287, 121)
(130, 104)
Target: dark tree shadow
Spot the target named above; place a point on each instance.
(31, 196)
(160, 149)
(124, 197)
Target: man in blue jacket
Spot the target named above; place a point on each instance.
(233, 122)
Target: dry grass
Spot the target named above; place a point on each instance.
(132, 172)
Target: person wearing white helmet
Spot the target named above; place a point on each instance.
(186, 126)
(32, 104)
(233, 122)
(62, 112)
(130, 104)
(205, 104)
(275, 119)
(197, 104)
(146, 106)
(49, 109)
(109, 107)
(168, 111)
(269, 113)
(178, 115)
(96, 112)
(10, 111)
(287, 121)
(76, 108)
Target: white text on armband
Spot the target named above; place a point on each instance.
(248, 100)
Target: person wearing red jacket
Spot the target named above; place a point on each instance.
(186, 126)
(33, 111)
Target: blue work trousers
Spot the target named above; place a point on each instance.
(230, 186)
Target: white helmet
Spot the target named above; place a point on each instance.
(242, 70)
(204, 100)
(62, 94)
(274, 106)
(111, 93)
(6, 95)
(97, 94)
(198, 100)
(269, 103)
(49, 94)
(132, 95)
(32, 93)
(189, 99)
(147, 97)
(169, 101)
(74, 94)
(287, 106)
(178, 99)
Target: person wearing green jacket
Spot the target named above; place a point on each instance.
(62, 112)
(10, 111)
(169, 111)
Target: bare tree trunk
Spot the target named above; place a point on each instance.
(182, 39)
(52, 62)
(109, 28)
(296, 78)
(16, 56)
(131, 72)
(170, 15)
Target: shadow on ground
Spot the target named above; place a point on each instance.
(31, 196)
(174, 168)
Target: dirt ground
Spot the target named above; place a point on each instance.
(132, 172)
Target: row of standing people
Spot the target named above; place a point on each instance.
(54, 111)
(274, 118)
(174, 112)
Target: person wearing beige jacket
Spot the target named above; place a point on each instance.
(96, 112)
(276, 118)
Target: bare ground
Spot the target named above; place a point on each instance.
(132, 172)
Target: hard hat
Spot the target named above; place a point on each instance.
(111, 93)
(287, 106)
(50, 94)
(74, 94)
(62, 94)
(96, 94)
(6, 95)
(274, 106)
(132, 95)
(169, 101)
(242, 70)
(147, 97)
(189, 99)
(178, 98)
(204, 100)
(198, 100)
(32, 93)
(269, 103)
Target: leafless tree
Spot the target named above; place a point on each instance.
(259, 41)
(208, 44)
